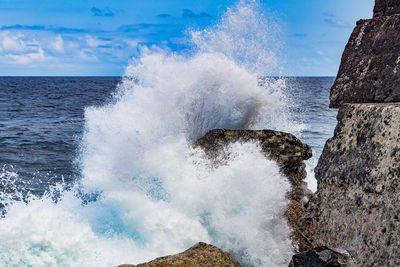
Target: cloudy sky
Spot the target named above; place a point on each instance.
(85, 38)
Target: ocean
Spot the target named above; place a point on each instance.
(101, 171)
(42, 122)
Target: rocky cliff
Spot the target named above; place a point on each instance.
(356, 206)
(386, 7)
(370, 66)
(358, 185)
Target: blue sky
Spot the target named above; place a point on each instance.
(85, 38)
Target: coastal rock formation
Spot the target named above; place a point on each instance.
(322, 257)
(285, 148)
(201, 254)
(370, 66)
(356, 206)
(358, 185)
(290, 154)
(386, 7)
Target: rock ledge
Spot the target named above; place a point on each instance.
(201, 254)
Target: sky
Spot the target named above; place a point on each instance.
(99, 37)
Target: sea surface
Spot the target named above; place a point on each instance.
(42, 121)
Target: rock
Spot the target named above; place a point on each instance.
(357, 201)
(370, 68)
(386, 7)
(290, 154)
(356, 206)
(201, 254)
(322, 257)
(285, 148)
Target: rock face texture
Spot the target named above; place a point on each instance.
(290, 154)
(358, 197)
(201, 254)
(322, 257)
(285, 148)
(370, 66)
(357, 204)
(386, 7)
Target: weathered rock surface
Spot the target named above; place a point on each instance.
(386, 7)
(323, 257)
(290, 154)
(357, 205)
(285, 148)
(370, 66)
(201, 254)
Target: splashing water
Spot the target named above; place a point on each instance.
(147, 192)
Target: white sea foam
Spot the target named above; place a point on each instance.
(156, 194)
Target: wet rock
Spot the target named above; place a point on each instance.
(201, 254)
(370, 68)
(357, 202)
(290, 154)
(285, 148)
(323, 257)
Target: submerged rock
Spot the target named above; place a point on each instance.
(370, 68)
(201, 254)
(290, 154)
(323, 257)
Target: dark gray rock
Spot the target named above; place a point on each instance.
(370, 68)
(285, 148)
(357, 202)
(323, 257)
(288, 151)
(386, 7)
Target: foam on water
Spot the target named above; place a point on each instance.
(145, 191)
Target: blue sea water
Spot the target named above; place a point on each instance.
(42, 122)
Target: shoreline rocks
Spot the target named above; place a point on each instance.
(386, 8)
(358, 185)
(288, 151)
(356, 206)
(322, 257)
(370, 67)
(201, 254)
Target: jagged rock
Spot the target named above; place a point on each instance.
(386, 7)
(370, 68)
(290, 154)
(285, 148)
(201, 254)
(357, 201)
(323, 257)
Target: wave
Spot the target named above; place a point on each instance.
(144, 190)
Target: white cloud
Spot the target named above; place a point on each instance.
(12, 42)
(94, 42)
(28, 58)
(87, 55)
(132, 42)
(58, 44)
(17, 48)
